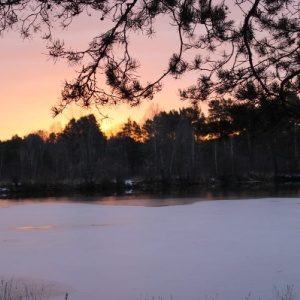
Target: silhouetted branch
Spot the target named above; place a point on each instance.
(229, 44)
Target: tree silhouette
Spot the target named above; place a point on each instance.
(84, 143)
(249, 49)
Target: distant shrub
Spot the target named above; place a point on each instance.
(17, 290)
(22, 290)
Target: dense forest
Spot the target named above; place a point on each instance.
(234, 142)
(247, 50)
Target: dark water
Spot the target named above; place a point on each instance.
(168, 196)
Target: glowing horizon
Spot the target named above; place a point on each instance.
(31, 83)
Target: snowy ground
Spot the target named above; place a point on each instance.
(211, 249)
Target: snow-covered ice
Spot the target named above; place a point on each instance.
(210, 249)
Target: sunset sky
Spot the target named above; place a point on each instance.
(31, 83)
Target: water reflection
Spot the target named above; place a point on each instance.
(29, 227)
(169, 197)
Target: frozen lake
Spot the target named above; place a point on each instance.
(204, 250)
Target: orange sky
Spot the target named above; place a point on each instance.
(30, 83)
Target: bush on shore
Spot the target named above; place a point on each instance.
(14, 290)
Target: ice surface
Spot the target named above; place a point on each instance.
(215, 249)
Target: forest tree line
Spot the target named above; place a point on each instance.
(235, 141)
